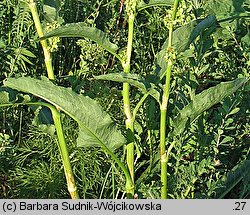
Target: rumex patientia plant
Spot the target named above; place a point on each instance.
(56, 115)
(170, 57)
(96, 129)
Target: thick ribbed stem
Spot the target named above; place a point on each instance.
(164, 104)
(126, 101)
(55, 113)
(39, 29)
(64, 154)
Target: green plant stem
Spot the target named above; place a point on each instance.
(55, 113)
(139, 104)
(127, 109)
(64, 154)
(39, 29)
(129, 181)
(164, 104)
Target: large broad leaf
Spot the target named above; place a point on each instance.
(228, 13)
(143, 4)
(135, 80)
(182, 38)
(80, 30)
(234, 177)
(209, 21)
(95, 126)
(205, 100)
(226, 8)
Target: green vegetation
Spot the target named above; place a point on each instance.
(119, 99)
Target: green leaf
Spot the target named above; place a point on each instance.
(227, 183)
(135, 80)
(226, 140)
(96, 126)
(25, 59)
(143, 4)
(43, 119)
(51, 9)
(182, 38)
(82, 31)
(225, 8)
(2, 44)
(10, 97)
(228, 13)
(205, 100)
(26, 52)
(234, 111)
(209, 21)
(7, 96)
